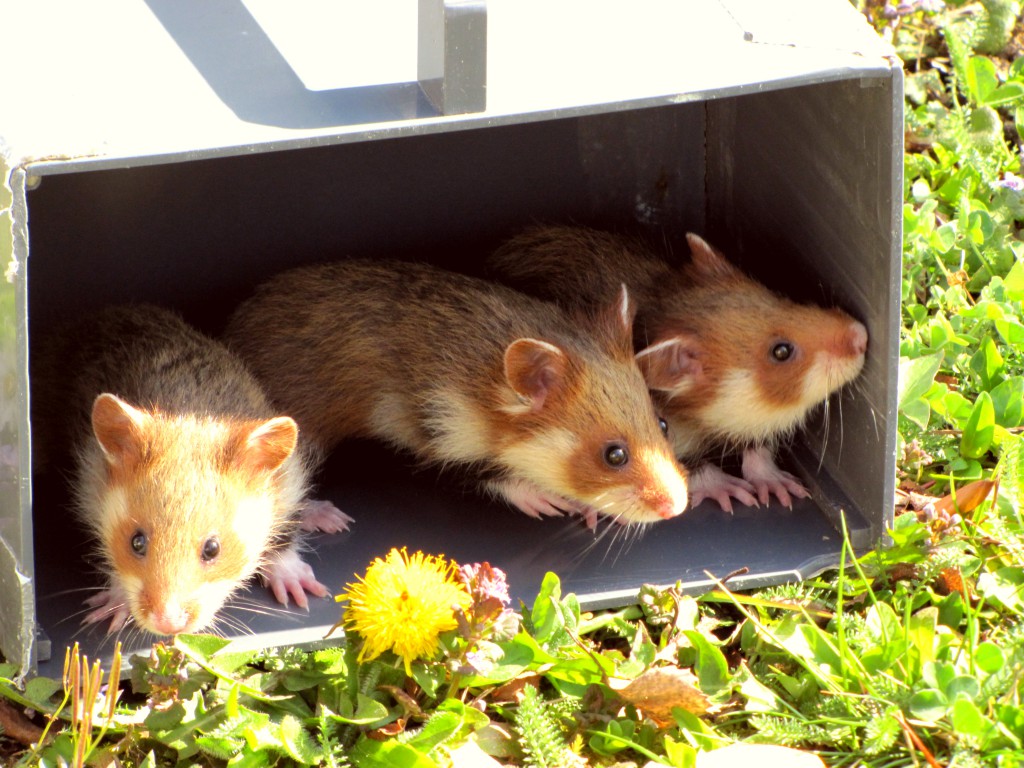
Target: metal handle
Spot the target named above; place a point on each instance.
(452, 58)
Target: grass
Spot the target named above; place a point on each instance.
(910, 655)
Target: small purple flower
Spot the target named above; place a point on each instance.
(932, 6)
(890, 13)
(485, 583)
(1010, 181)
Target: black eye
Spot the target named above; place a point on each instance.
(616, 456)
(211, 548)
(663, 426)
(782, 351)
(139, 543)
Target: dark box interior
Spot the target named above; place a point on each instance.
(783, 181)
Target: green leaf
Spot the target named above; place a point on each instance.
(439, 728)
(518, 653)
(916, 376)
(368, 753)
(967, 718)
(1003, 586)
(220, 747)
(252, 759)
(987, 363)
(712, 669)
(1013, 283)
(978, 432)
(918, 412)
(1008, 402)
(962, 685)
(929, 705)
(165, 719)
(981, 78)
(297, 742)
(921, 629)
(546, 615)
(367, 711)
(989, 657)
(760, 698)
(200, 647)
(41, 689)
(943, 238)
(1005, 94)
(1012, 332)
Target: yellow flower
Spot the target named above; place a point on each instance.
(403, 604)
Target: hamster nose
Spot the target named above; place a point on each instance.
(170, 619)
(857, 338)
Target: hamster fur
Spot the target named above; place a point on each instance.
(460, 371)
(184, 475)
(730, 363)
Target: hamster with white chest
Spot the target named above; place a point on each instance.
(731, 364)
(552, 411)
(186, 478)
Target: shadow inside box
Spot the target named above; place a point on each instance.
(395, 503)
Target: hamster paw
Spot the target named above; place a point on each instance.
(109, 604)
(287, 573)
(531, 500)
(711, 482)
(322, 515)
(760, 470)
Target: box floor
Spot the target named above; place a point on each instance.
(396, 505)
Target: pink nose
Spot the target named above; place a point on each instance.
(170, 619)
(667, 510)
(857, 338)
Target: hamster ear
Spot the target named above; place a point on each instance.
(534, 369)
(709, 261)
(626, 310)
(672, 364)
(269, 445)
(120, 430)
(616, 319)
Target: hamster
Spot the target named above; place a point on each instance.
(551, 411)
(731, 364)
(183, 474)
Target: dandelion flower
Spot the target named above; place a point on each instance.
(403, 604)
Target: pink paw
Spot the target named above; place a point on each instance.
(711, 482)
(109, 604)
(322, 515)
(760, 470)
(286, 573)
(531, 500)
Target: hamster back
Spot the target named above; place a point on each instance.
(463, 372)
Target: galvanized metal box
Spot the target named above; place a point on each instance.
(181, 152)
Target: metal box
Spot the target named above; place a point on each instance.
(181, 152)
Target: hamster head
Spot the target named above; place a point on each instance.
(740, 362)
(584, 424)
(186, 508)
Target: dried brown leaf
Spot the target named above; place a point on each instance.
(659, 689)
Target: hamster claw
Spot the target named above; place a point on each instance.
(288, 575)
(322, 515)
(531, 500)
(711, 482)
(760, 470)
(108, 604)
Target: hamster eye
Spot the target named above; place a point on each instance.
(663, 426)
(211, 548)
(139, 542)
(616, 456)
(782, 351)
